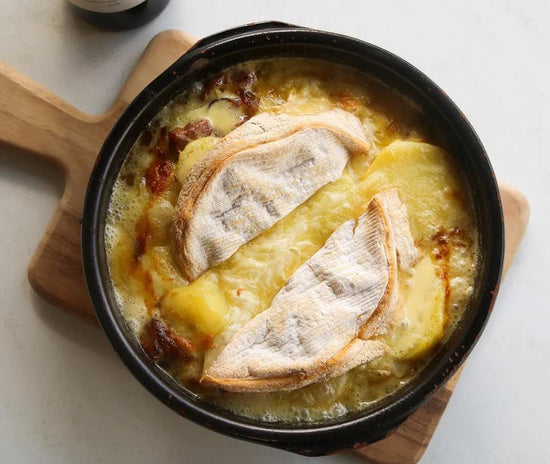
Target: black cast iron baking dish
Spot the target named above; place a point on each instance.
(266, 40)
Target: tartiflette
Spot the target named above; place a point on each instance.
(291, 244)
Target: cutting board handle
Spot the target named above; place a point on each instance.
(37, 121)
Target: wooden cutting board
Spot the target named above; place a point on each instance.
(71, 140)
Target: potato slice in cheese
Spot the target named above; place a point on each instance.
(434, 195)
(423, 301)
(196, 309)
(192, 153)
(426, 177)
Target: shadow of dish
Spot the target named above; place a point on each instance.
(73, 328)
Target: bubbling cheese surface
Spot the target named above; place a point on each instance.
(210, 310)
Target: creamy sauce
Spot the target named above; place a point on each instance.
(432, 297)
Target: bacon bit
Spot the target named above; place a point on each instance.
(239, 82)
(185, 346)
(206, 341)
(159, 341)
(159, 175)
(239, 79)
(244, 79)
(240, 290)
(161, 147)
(250, 100)
(181, 136)
(217, 81)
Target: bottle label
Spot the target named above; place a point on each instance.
(106, 6)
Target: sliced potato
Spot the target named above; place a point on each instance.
(225, 114)
(424, 314)
(195, 309)
(192, 153)
(429, 184)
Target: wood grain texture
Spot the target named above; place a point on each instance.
(71, 140)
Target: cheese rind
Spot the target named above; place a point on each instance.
(254, 177)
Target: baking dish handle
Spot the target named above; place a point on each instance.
(252, 27)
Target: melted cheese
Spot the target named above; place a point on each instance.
(244, 285)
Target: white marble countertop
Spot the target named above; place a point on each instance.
(64, 395)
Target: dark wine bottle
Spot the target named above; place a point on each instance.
(117, 15)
